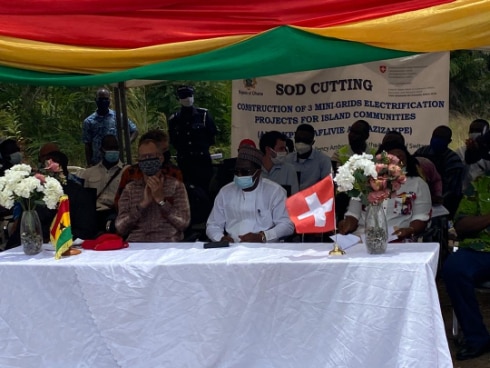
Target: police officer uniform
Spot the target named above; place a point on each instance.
(192, 132)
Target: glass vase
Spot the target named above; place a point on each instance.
(31, 235)
(376, 229)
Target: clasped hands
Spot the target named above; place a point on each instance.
(153, 190)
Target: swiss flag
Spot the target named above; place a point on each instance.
(313, 209)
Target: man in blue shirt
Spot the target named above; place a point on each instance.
(101, 123)
(311, 165)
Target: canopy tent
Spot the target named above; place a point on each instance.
(88, 42)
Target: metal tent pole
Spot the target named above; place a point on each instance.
(123, 134)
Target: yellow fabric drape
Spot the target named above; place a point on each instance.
(462, 24)
(48, 57)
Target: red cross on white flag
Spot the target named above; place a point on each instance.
(313, 209)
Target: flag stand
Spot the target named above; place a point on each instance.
(71, 252)
(337, 249)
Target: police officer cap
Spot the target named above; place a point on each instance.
(185, 91)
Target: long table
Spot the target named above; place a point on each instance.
(249, 305)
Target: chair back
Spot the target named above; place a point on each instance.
(83, 210)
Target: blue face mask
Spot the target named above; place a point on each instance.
(244, 182)
(111, 156)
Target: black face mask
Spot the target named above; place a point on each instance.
(150, 166)
(479, 151)
(102, 104)
(357, 144)
(471, 156)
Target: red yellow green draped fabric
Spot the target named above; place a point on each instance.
(88, 42)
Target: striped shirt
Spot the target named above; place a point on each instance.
(155, 223)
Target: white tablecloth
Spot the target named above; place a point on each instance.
(255, 305)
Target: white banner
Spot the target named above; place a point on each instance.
(408, 94)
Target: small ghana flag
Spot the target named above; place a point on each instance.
(60, 231)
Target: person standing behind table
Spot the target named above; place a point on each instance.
(192, 131)
(154, 208)
(448, 164)
(101, 123)
(104, 177)
(476, 129)
(358, 136)
(311, 165)
(251, 209)
(273, 146)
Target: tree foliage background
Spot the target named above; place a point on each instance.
(36, 115)
(469, 91)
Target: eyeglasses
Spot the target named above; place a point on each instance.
(244, 172)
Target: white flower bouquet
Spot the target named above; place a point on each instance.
(21, 185)
(370, 179)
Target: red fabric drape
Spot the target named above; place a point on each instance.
(130, 24)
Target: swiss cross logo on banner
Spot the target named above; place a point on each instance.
(313, 210)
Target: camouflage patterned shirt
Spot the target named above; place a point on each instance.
(475, 202)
